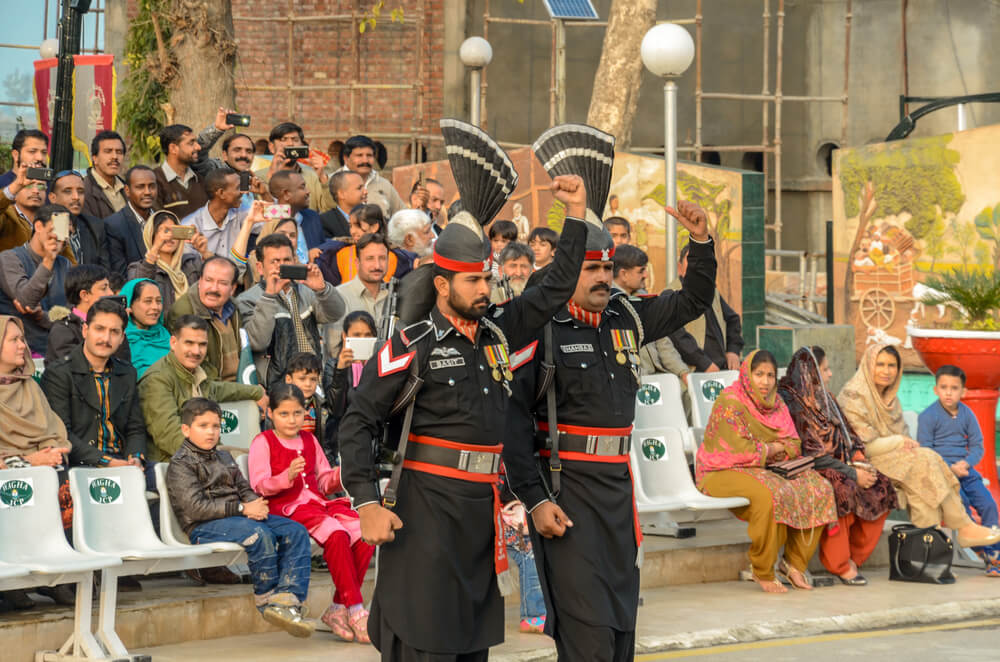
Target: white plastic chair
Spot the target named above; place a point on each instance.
(663, 482)
(912, 419)
(659, 404)
(111, 516)
(240, 424)
(243, 462)
(39, 368)
(704, 388)
(32, 539)
(226, 553)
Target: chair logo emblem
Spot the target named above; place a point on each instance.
(711, 389)
(649, 394)
(15, 493)
(105, 490)
(230, 422)
(37, 376)
(653, 449)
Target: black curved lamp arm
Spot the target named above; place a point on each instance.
(909, 122)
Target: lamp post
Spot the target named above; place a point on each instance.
(667, 51)
(475, 53)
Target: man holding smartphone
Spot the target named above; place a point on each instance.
(18, 204)
(282, 141)
(87, 241)
(29, 147)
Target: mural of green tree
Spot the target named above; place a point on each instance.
(988, 227)
(917, 178)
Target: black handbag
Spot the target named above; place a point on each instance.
(920, 555)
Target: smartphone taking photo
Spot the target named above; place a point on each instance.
(182, 232)
(60, 225)
(363, 348)
(236, 119)
(296, 153)
(277, 212)
(293, 271)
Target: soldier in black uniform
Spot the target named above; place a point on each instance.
(585, 526)
(436, 597)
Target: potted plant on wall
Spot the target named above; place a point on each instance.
(970, 341)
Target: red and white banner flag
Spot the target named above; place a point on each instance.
(94, 107)
(45, 93)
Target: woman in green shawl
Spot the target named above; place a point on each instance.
(148, 339)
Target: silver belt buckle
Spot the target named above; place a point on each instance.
(478, 462)
(608, 445)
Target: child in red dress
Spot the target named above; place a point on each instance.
(288, 467)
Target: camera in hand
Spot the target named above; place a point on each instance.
(244, 180)
(293, 271)
(41, 174)
(295, 153)
(236, 119)
(183, 232)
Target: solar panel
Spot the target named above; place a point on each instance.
(575, 9)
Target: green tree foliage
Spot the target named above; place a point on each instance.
(988, 227)
(144, 90)
(917, 177)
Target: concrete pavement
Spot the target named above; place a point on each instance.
(680, 618)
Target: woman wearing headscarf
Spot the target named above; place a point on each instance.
(166, 261)
(31, 434)
(864, 496)
(148, 338)
(750, 428)
(929, 487)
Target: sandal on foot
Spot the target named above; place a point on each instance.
(335, 617)
(778, 586)
(785, 571)
(359, 624)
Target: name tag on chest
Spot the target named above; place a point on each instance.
(447, 363)
(576, 348)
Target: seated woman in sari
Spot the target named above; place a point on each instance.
(864, 496)
(749, 429)
(930, 488)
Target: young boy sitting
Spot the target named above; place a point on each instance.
(214, 502)
(950, 428)
(305, 370)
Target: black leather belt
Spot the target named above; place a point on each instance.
(476, 462)
(591, 444)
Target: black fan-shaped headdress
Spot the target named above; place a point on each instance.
(578, 149)
(483, 172)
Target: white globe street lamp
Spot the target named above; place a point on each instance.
(475, 53)
(49, 48)
(667, 51)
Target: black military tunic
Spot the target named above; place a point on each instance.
(436, 590)
(589, 575)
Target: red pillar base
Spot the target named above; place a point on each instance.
(983, 403)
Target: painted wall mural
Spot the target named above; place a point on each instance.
(904, 210)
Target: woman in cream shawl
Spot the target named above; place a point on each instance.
(166, 262)
(930, 488)
(749, 429)
(31, 434)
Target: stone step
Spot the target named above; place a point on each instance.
(174, 610)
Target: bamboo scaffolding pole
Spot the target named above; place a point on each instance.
(697, 82)
(777, 123)
(848, 16)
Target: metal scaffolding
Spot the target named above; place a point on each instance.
(771, 140)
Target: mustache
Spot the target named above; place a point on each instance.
(600, 287)
(481, 300)
(242, 159)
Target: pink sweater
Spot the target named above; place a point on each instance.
(266, 483)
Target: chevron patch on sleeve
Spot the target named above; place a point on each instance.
(389, 364)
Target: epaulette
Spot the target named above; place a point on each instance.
(415, 332)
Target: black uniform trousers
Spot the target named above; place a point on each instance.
(576, 640)
(394, 650)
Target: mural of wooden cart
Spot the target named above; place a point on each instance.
(878, 289)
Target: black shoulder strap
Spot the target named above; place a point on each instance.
(413, 384)
(555, 467)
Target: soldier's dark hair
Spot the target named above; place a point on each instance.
(304, 361)
(284, 391)
(629, 257)
(195, 407)
(108, 305)
(82, 278)
(273, 240)
(188, 322)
